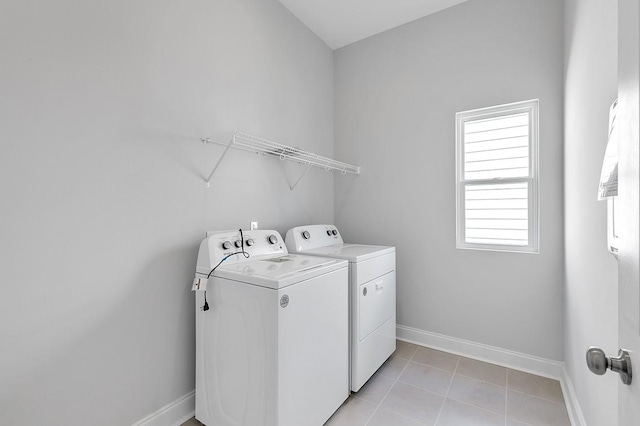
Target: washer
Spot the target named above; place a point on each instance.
(372, 293)
(272, 349)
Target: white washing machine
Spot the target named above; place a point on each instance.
(272, 348)
(372, 294)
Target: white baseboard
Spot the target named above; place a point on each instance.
(504, 357)
(172, 414)
(516, 360)
(571, 400)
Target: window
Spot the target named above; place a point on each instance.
(497, 178)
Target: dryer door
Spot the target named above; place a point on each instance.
(377, 303)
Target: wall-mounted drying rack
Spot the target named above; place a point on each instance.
(262, 146)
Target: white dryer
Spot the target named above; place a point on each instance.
(372, 294)
(272, 348)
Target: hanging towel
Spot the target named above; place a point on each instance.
(609, 176)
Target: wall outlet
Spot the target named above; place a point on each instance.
(254, 225)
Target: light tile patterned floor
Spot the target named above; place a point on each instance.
(419, 386)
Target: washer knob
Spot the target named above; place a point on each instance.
(272, 239)
(250, 242)
(238, 243)
(226, 245)
(306, 235)
(334, 232)
(329, 232)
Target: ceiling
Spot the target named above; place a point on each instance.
(342, 22)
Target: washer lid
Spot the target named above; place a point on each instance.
(350, 252)
(279, 272)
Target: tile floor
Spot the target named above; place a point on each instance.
(419, 386)
(422, 386)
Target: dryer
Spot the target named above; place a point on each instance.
(372, 294)
(272, 348)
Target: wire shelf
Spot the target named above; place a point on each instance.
(262, 146)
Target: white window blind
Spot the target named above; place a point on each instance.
(497, 183)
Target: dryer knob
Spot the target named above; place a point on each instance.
(334, 232)
(272, 239)
(306, 235)
(250, 242)
(238, 243)
(226, 245)
(329, 232)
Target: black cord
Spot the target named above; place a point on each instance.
(244, 253)
(205, 307)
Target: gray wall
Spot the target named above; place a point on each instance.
(396, 98)
(591, 296)
(101, 173)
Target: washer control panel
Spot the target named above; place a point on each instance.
(232, 245)
(312, 236)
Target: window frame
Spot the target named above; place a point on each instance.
(531, 107)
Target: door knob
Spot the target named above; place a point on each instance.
(598, 363)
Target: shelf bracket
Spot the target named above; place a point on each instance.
(207, 181)
(292, 187)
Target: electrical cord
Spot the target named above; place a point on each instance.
(205, 307)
